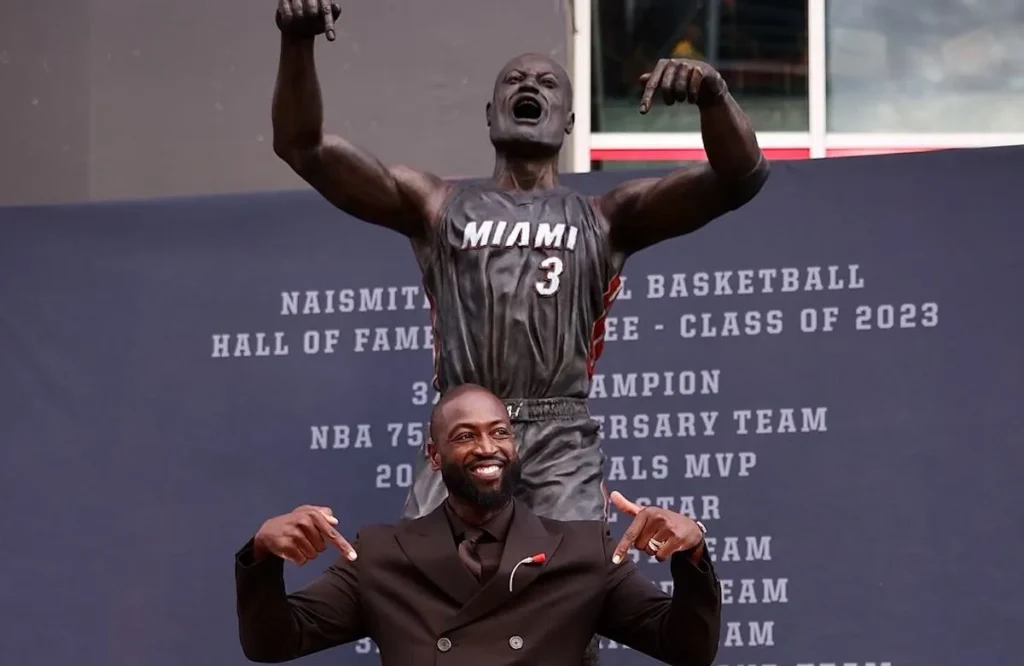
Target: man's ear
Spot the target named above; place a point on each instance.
(435, 460)
(570, 123)
(488, 112)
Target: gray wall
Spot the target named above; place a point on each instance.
(114, 99)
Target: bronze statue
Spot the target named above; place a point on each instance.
(520, 271)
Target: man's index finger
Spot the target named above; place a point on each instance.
(629, 537)
(332, 535)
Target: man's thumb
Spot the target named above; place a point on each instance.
(623, 504)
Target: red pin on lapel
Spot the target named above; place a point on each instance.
(539, 558)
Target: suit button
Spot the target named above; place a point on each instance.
(443, 644)
(515, 642)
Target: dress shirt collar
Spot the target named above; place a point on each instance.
(497, 527)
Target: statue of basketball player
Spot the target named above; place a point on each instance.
(520, 271)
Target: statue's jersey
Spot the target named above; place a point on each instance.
(519, 285)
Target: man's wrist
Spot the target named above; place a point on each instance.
(258, 551)
(696, 553)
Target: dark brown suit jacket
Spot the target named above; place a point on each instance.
(409, 592)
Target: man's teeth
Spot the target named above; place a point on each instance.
(487, 470)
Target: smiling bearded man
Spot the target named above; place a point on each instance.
(484, 479)
(458, 580)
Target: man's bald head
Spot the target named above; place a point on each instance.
(476, 396)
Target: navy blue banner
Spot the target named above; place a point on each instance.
(831, 379)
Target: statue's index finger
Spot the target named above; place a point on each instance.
(327, 9)
(652, 85)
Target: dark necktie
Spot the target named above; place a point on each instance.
(468, 554)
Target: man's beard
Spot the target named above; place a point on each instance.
(461, 484)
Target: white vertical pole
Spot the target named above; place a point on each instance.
(817, 76)
(579, 161)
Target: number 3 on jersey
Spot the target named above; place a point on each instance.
(552, 267)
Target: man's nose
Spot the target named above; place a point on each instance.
(528, 87)
(487, 447)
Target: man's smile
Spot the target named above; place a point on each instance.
(487, 470)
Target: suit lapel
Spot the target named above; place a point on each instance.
(429, 545)
(526, 537)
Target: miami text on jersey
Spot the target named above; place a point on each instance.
(489, 233)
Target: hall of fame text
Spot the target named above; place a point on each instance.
(685, 322)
